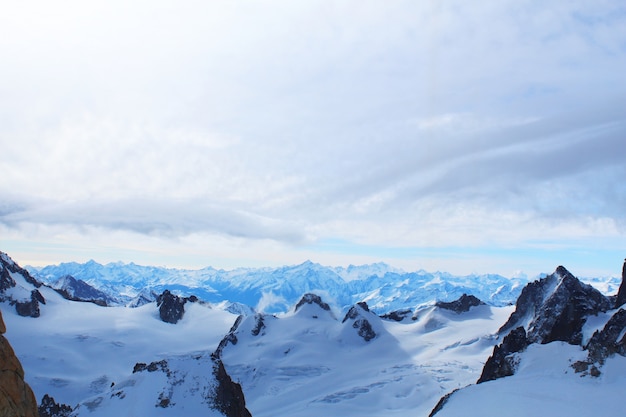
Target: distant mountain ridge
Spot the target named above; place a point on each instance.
(273, 290)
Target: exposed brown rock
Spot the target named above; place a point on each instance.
(16, 397)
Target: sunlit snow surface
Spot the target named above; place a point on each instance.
(301, 363)
(545, 385)
(309, 364)
(76, 350)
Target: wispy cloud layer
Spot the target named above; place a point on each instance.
(408, 125)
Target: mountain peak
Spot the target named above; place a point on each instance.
(555, 307)
(312, 299)
(563, 272)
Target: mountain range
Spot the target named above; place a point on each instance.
(275, 290)
(558, 348)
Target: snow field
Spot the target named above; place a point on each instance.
(75, 350)
(305, 366)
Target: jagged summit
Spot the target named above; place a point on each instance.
(312, 299)
(363, 321)
(547, 344)
(313, 305)
(19, 288)
(555, 308)
(172, 307)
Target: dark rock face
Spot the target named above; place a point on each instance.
(364, 329)
(259, 325)
(462, 305)
(605, 343)
(554, 308)
(621, 293)
(229, 398)
(50, 408)
(30, 308)
(172, 307)
(312, 299)
(352, 314)
(558, 306)
(8, 265)
(442, 401)
(226, 396)
(397, 315)
(231, 337)
(502, 362)
(6, 281)
(152, 367)
(25, 308)
(360, 323)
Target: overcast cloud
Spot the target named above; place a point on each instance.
(452, 135)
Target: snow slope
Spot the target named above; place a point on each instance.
(545, 385)
(309, 363)
(76, 350)
(316, 359)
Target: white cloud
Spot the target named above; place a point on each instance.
(412, 123)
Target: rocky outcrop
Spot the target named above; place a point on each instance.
(172, 307)
(229, 398)
(607, 342)
(6, 281)
(16, 397)
(231, 337)
(30, 308)
(312, 299)
(461, 305)
(223, 394)
(24, 305)
(399, 315)
(621, 293)
(151, 367)
(50, 408)
(442, 401)
(8, 265)
(259, 325)
(360, 322)
(555, 308)
(503, 360)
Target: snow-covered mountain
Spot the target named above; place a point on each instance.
(275, 290)
(560, 350)
(89, 357)
(312, 362)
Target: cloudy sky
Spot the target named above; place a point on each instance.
(445, 135)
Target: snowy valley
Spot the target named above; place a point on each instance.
(126, 340)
